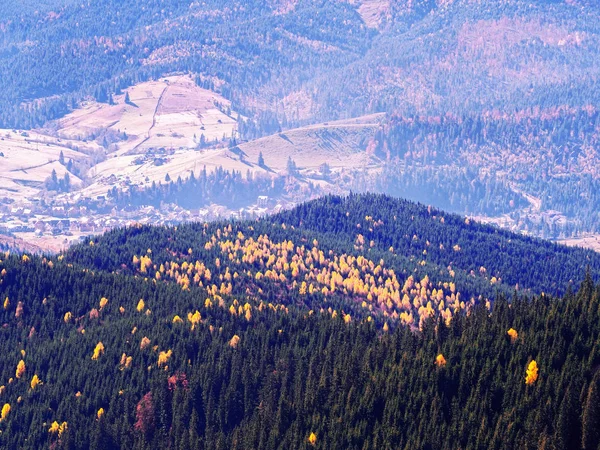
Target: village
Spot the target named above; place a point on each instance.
(55, 225)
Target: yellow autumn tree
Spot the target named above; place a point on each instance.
(103, 302)
(531, 375)
(194, 318)
(440, 361)
(513, 335)
(5, 411)
(177, 319)
(35, 381)
(100, 413)
(141, 305)
(98, 351)
(163, 357)
(20, 369)
(312, 439)
(6, 303)
(54, 428)
(125, 362)
(145, 262)
(233, 343)
(144, 343)
(68, 316)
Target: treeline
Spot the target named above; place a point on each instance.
(223, 187)
(455, 189)
(547, 154)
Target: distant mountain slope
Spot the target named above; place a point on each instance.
(466, 56)
(306, 60)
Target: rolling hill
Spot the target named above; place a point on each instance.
(302, 329)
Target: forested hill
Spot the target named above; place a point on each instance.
(408, 237)
(388, 328)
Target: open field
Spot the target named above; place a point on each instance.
(163, 123)
(373, 11)
(340, 144)
(166, 129)
(591, 241)
(172, 112)
(20, 245)
(29, 159)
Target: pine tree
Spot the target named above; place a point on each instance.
(591, 416)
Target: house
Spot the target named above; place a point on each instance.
(58, 211)
(262, 201)
(40, 226)
(74, 211)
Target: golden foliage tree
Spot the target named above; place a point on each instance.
(312, 439)
(513, 335)
(5, 411)
(144, 343)
(194, 318)
(20, 369)
(98, 351)
(440, 361)
(233, 343)
(531, 375)
(54, 428)
(163, 357)
(125, 362)
(35, 381)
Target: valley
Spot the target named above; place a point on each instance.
(217, 110)
(153, 133)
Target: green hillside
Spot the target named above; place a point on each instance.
(259, 334)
